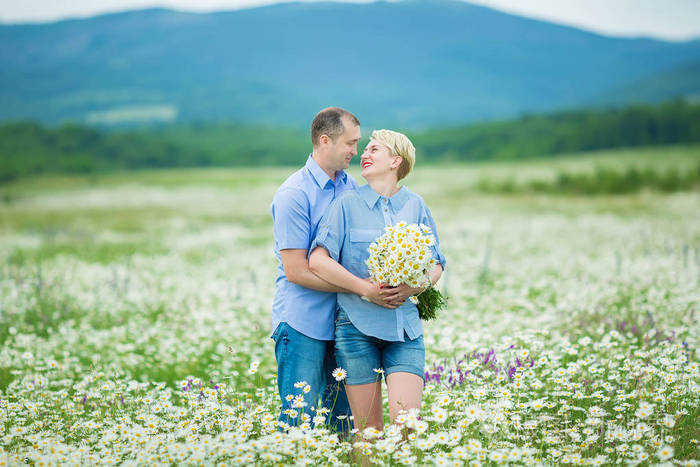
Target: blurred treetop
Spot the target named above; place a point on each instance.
(27, 148)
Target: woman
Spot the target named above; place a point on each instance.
(371, 339)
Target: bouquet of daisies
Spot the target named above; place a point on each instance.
(402, 256)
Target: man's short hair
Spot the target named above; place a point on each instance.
(329, 121)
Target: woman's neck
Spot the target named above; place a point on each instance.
(386, 187)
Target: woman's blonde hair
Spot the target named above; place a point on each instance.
(399, 145)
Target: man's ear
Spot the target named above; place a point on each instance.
(324, 139)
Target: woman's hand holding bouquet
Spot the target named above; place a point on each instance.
(401, 259)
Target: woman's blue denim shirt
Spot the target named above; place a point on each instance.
(353, 221)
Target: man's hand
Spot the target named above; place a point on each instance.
(397, 295)
(375, 294)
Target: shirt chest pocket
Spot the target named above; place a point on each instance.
(360, 240)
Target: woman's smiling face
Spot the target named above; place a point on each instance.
(377, 159)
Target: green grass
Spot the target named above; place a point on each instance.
(152, 276)
(85, 250)
(223, 177)
(521, 176)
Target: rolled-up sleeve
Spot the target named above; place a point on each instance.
(291, 219)
(427, 219)
(331, 231)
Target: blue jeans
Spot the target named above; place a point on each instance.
(302, 358)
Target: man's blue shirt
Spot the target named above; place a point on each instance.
(352, 222)
(297, 207)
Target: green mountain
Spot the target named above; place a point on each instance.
(406, 64)
(680, 81)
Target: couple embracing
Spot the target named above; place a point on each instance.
(326, 313)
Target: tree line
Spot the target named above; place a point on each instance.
(28, 148)
(671, 122)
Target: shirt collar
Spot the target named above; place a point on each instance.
(321, 176)
(371, 197)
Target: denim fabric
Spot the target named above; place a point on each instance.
(360, 354)
(353, 221)
(301, 358)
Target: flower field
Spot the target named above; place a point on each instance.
(135, 310)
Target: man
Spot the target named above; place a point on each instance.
(303, 310)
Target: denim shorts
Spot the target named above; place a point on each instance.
(360, 354)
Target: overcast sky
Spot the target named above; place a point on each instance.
(663, 19)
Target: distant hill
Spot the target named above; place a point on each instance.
(680, 81)
(407, 64)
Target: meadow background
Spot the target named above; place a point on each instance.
(137, 271)
(137, 308)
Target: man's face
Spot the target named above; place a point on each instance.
(341, 151)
